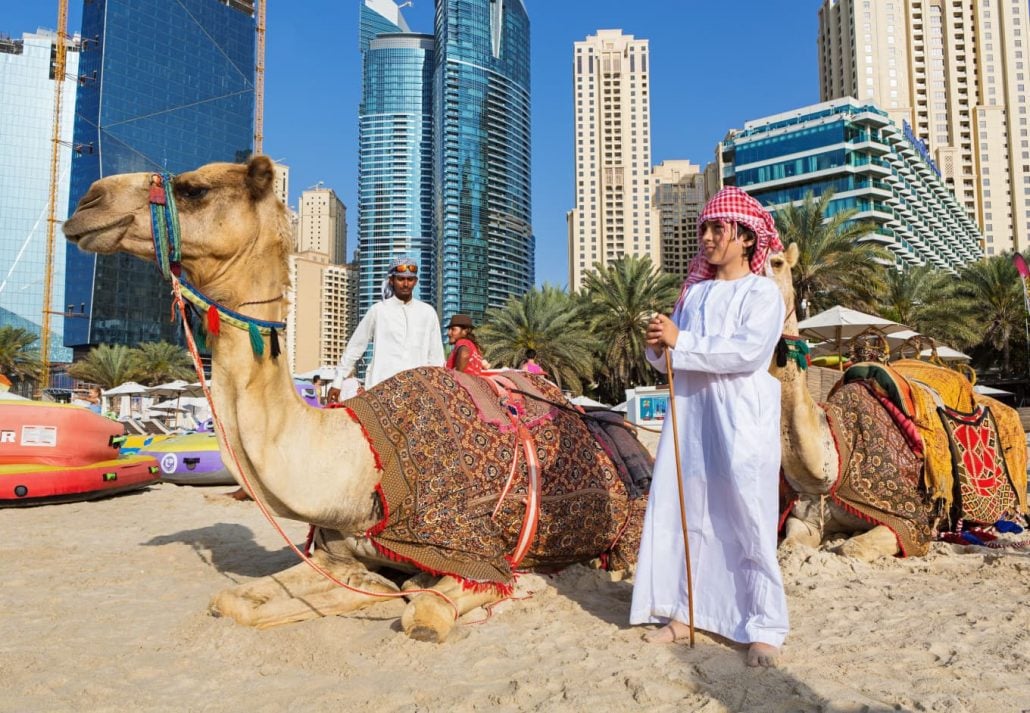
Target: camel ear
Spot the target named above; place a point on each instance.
(260, 176)
(792, 254)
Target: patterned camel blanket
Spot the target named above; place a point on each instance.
(447, 444)
(879, 473)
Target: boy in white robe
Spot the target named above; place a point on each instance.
(722, 335)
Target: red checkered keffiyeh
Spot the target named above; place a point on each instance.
(733, 205)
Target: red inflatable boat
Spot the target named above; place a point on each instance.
(53, 452)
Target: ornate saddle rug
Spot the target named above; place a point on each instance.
(880, 473)
(984, 491)
(448, 444)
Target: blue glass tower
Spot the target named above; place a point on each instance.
(169, 86)
(26, 128)
(395, 167)
(483, 229)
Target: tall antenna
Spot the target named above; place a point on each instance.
(60, 56)
(259, 81)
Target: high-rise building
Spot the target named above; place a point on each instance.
(481, 153)
(281, 186)
(679, 198)
(323, 310)
(395, 151)
(872, 165)
(323, 224)
(167, 86)
(955, 72)
(26, 131)
(613, 214)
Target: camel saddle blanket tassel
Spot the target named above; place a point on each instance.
(456, 479)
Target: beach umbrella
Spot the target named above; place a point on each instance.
(946, 354)
(129, 388)
(990, 391)
(9, 396)
(838, 324)
(325, 372)
(588, 402)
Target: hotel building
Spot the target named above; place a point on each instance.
(679, 198)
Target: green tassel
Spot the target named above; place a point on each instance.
(257, 342)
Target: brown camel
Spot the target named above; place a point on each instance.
(235, 242)
(811, 463)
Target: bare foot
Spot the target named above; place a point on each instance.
(239, 494)
(669, 634)
(764, 655)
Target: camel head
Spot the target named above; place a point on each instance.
(781, 265)
(231, 222)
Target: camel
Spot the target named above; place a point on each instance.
(307, 464)
(810, 460)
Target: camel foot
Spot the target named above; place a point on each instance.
(762, 655)
(872, 545)
(431, 618)
(669, 634)
(799, 532)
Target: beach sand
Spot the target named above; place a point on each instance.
(104, 606)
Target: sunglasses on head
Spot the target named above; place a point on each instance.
(411, 269)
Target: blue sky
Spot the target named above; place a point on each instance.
(714, 65)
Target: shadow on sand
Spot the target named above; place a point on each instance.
(773, 690)
(230, 548)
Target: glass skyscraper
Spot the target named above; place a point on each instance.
(483, 229)
(167, 86)
(444, 153)
(26, 130)
(395, 151)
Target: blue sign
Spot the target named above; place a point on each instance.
(920, 145)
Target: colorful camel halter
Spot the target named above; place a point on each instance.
(164, 227)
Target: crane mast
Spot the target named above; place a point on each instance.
(60, 59)
(259, 81)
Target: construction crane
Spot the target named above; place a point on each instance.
(259, 81)
(60, 60)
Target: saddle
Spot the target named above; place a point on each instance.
(973, 447)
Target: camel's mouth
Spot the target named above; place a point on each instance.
(97, 238)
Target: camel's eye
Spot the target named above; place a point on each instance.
(192, 192)
(776, 262)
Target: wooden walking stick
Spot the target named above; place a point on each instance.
(679, 487)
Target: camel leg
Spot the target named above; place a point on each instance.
(871, 545)
(300, 593)
(429, 618)
(799, 532)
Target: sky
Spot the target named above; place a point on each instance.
(714, 65)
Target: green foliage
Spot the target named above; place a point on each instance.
(619, 300)
(160, 362)
(19, 361)
(549, 321)
(832, 268)
(995, 292)
(106, 366)
(929, 300)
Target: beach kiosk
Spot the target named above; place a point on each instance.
(647, 405)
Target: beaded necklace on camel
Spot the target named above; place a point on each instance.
(164, 227)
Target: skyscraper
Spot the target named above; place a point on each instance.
(679, 198)
(955, 73)
(444, 153)
(323, 224)
(481, 130)
(395, 151)
(26, 130)
(613, 213)
(167, 86)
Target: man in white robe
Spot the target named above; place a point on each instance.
(722, 335)
(404, 331)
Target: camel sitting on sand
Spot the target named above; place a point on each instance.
(315, 465)
(819, 451)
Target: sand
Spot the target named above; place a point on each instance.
(103, 607)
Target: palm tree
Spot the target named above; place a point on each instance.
(107, 366)
(158, 362)
(928, 300)
(619, 299)
(548, 321)
(17, 360)
(833, 267)
(993, 285)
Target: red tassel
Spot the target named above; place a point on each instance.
(213, 322)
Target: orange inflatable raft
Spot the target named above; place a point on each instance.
(53, 452)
